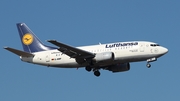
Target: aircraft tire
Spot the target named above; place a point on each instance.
(88, 68)
(148, 65)
(97, 73)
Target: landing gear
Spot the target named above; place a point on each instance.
(150, 60)
(148, 65)
(94, 69)
(88, 68)
(97, 73)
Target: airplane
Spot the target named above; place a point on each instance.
(115, 57)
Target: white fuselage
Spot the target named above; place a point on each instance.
(124, 52)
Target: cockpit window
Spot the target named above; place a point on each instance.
(154, 45)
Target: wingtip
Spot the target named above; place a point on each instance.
(5, 47)
(51, 40)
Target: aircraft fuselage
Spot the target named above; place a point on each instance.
(123, 51)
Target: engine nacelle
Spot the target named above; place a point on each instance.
(105, 56)
(119, 67)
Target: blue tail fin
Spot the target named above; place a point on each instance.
(30, 41)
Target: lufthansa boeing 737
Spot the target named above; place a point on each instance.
(115, 57)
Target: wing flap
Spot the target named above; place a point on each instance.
(18, 52)
(72, 51)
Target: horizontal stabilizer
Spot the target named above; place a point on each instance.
(19, 52)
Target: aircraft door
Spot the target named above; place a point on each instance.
(47, 57)
(142, 47)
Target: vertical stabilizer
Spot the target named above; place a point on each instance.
(30, 41)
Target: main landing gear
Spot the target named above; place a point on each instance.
(150, 60)
(88, 68)
(96, 71)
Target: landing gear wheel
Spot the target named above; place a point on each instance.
(88, 68)
(148, 65)
(97, 73)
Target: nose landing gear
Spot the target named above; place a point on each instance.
(150, 60)
(148, 65)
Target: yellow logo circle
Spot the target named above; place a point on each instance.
(27, 39)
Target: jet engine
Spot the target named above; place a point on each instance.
(119, 67)
(105, 56)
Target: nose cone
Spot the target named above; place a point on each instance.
(164, 50)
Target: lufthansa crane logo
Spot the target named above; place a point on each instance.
(27, 39)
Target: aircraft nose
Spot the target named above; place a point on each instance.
(164, 50)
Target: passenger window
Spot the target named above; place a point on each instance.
(153, 45)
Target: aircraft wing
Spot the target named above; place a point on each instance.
(72, 51)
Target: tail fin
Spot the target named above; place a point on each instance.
(30, 41)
